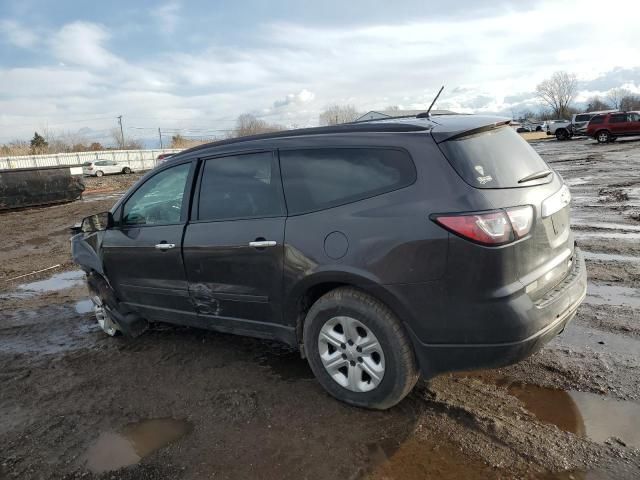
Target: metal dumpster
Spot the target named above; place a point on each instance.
(29, 187)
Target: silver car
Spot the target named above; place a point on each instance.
(104, 167)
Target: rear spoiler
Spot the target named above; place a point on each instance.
(465, 126)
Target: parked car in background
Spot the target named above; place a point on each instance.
(607, 127)
(560, 128)
(381, 250)
(105, 167)
(579, 121)
(521, 127)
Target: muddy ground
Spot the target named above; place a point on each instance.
(182, 403)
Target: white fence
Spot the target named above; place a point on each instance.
(137, 159)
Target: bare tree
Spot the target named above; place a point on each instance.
(594, 104)
(615, 96)
(248, 124)
(15, 147)
(336, 114)
(557, 92)
(630, 102)
(117, 138)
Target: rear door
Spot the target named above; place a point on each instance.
(233, 247)
(141, 254)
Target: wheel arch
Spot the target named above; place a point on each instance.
(309, 290)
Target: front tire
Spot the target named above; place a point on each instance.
(106, 323)
(99, 173)
(603, 136)
(562, 134)
(359, 350)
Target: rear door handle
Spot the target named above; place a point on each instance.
(165, 246)
(262, 243)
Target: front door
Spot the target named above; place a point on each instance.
(142, 253)
(233, 247)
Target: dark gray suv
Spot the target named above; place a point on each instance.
(381, 250)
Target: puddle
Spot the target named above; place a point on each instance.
(612, 295)
(112, 451)
(605, 226)
(287, 365)
(607, 234)
(585, 414)
(84, 306)
(580, 338)
(610, 257)
(424, 458)
(98, 197)
(57, 282)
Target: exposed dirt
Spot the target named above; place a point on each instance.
(250, 408)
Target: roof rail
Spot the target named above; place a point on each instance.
(355, 127)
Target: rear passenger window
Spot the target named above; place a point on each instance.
(240, 186)
(315, 179)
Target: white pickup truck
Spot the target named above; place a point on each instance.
(560, 128)
(565, 129)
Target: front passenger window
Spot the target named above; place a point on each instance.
(159, 200)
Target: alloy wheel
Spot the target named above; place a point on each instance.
(351, 354)
(107, 325)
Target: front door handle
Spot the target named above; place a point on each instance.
(262, 243)
(165, 246)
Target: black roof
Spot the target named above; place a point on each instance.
(441, 127)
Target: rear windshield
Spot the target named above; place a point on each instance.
(495, 158)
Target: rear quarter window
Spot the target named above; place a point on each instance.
(596, 120)
(582, 118)
(316, 179)
(495, 158)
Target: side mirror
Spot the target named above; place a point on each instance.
(96, 223)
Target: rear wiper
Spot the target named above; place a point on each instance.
(535, 176)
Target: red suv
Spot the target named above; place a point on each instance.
(606, 128)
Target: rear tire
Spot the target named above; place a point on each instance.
(99, 173)
(349, 334)
(562, 134)
(603, 136)
(126, 170)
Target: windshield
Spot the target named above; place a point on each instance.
(497, 158)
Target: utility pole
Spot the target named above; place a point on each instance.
(160, 135)
(119, 117)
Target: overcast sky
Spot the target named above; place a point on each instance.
(71, 65)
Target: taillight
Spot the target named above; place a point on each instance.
(497, 227)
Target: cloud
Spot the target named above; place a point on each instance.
(168, 16)
(18, 35)
(81, 43)
(303, 96)
(288, 71)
